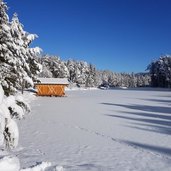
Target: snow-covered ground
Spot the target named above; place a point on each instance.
(118, 130)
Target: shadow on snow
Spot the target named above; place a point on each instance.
(159, 122)
(158, 149)
(145, 108)
(146, 118)
(153, 121)
(159, 101)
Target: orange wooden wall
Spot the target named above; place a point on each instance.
(50, 90)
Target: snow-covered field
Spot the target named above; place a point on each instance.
(98, 130)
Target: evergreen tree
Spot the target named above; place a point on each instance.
(71, 69)
(7, 47)
(53, 67)
(160, 71)
(17, 59)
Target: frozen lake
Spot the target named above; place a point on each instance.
(120, 130)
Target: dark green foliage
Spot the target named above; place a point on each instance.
(160, 71)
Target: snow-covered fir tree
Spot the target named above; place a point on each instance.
(160, 71)
(53, 67)
(6, 49)
(72, 68)
(17, 60)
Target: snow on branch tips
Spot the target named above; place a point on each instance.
(11, 108)
(8, 130)
(15, 53)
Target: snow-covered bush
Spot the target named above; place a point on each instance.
(8, 127)
(22, 103)
(11, 107)
(9, 163)
(17, 106)
(11, 134)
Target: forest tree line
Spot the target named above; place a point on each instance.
(84, 74)
(158, 73)
(18, 62)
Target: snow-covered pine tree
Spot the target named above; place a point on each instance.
(17, 59)
(160, 71)
(28, 65)
(91, 78)
(71, 69)
(82, 72)
(6, 50)
(53, 66)
(15, 65)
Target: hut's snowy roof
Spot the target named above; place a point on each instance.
(63, 81)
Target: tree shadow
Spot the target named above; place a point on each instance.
(151, 128)
(158, 100)
(159, 122)
(146, 108)
(147, 118)
(167, 96)
(142, 89)
(152, 121)
(158, 149)
(150, 115)
(162, 127)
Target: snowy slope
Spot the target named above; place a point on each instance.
(117, 130)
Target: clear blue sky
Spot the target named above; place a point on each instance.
(119, 35)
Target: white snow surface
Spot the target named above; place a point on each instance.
(118, 130)
(11, 102)
(1, 94)
(53, 80)
(39, 167)
(8, 126)
(29, 80)
(9, 163)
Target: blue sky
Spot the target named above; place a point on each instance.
(118, 35)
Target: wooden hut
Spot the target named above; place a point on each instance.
(51, 86)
